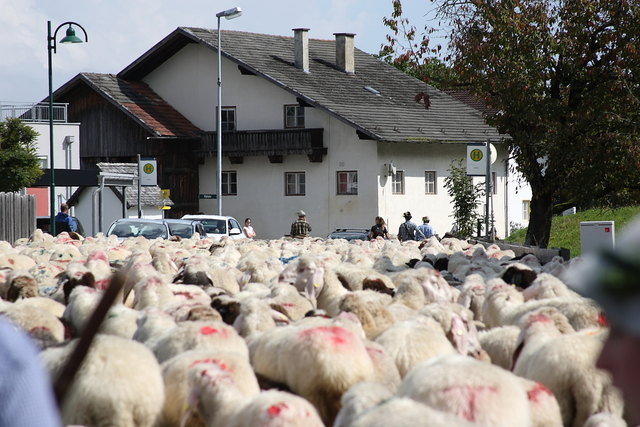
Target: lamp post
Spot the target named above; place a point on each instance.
(228, 14)
(51, 46)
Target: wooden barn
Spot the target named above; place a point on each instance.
(121, 119)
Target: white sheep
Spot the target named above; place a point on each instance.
(44, 327)
(199, 335)
(580, 388)
(500, 344)
(544, 408)
(118, 384)
(371, 309)
(317, 362)
(359, 398)
(406, 412)
(218, 402)
(411, 342)
(474, 391)
(504, 305)
(175, 374)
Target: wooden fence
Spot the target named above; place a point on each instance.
(17, 216)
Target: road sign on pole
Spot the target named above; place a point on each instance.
(476, 160)
(148, 172)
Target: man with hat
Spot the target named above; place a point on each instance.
(300, 227)
(425, 229)
(612, 279)
(408, 229)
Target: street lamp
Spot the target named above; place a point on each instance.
(51, 46)
(228, 14)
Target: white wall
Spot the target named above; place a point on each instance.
(519, 191)
(66, 155)
(414, 160)
(261, 191)
(187, 81)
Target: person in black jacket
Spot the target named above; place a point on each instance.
(379, 229)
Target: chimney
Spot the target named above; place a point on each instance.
(301, 48)
(344, 52)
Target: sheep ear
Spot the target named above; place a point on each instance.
(458, 334)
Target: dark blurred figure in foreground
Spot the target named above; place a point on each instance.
(612, 279)
(26, 393)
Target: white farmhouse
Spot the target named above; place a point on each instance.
(308, 124)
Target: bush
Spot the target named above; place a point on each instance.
(466, 198)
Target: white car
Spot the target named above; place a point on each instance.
(217, 226)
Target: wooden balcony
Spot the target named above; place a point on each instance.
(274, 143)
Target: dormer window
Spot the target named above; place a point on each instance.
(293, 116)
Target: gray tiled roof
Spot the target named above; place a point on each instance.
(392, 116)
(149, 196)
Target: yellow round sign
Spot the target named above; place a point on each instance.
(475, 155)
(148, 168)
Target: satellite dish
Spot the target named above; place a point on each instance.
(494, 153)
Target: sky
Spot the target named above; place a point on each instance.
(120, 31)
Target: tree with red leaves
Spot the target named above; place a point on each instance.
(563, 80)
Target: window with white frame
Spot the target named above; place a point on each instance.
(430, 182)
(347, 182)
(294, 184)
(229, 183)
(228, 119)
(397, 184)
(44, 162)
(526, 209)
(293, 116)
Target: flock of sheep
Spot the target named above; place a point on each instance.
(310, 332)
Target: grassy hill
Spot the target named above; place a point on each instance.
(565, 230)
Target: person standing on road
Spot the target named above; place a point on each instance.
(63, 221)
(300, 227)
(408, 230)
(379, 229)
(248, 229)
(425, 228)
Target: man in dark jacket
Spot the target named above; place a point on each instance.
(300, 228)
(64, 222)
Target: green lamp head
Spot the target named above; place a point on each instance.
(71, 36)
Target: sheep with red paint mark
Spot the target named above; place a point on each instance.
(545, 411)
(216, 399)
(317, 362)
(472, 390)
(175, 372)
(580, 388)
(199, 335)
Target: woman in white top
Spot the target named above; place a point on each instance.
(248, 229)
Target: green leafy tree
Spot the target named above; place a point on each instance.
(563, 77)
(19, 165)
(409, 51)
(466, 198)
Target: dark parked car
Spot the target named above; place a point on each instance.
(350, 234)
(185, 227)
